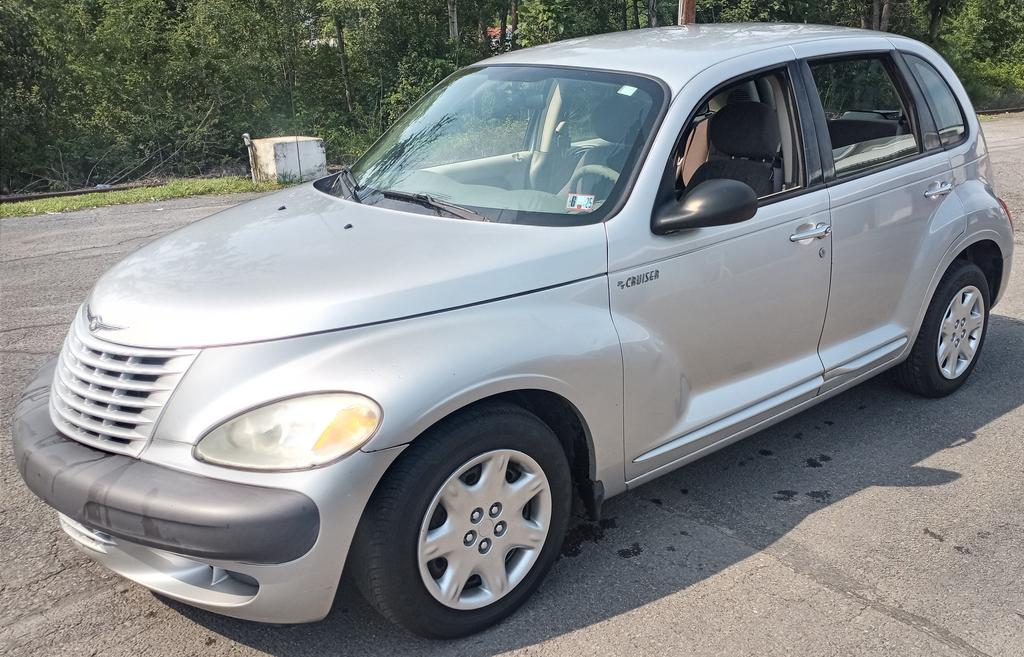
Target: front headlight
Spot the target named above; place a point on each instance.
(302, 432)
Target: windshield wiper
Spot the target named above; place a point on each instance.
(434, 203)
(346, 176)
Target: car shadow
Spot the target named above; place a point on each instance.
(695, 522)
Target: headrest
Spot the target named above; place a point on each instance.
(746, 129)
(614, 117)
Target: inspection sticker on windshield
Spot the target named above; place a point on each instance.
(580, 202)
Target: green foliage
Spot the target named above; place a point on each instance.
(984, 42)
(22, 102)
(115, 90)
(544, 22)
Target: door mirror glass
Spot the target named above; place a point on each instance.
(717, 202)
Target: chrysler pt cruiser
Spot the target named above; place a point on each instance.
(565, 271)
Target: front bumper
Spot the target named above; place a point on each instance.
(257, 552)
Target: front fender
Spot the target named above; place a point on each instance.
(420, 370)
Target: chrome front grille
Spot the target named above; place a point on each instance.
(109, 396)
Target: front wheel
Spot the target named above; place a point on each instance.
(467, 522)
(952, 334)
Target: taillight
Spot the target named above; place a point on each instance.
(1006, 209)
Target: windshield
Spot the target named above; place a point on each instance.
(515, 144)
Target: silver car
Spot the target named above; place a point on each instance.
(564, 272)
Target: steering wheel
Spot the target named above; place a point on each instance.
(599, 170)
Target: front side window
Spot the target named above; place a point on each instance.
(515, 144)
(745, 131)
(868, 119)
(949, 118)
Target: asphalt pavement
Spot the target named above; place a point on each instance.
(877, 523)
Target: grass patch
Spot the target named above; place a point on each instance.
(984, 118)
(174, 189)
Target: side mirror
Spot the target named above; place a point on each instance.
(716, 202)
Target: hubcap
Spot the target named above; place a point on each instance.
(960, 332)
(484, 529)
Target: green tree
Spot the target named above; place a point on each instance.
(108, 90)
(23, 133)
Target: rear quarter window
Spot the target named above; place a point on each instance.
(946, 110)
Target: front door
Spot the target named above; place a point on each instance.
(720, 332)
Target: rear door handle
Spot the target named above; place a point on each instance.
(938, 189)
(820, 231)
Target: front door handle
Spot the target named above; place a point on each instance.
(938, 189)
(820, 231)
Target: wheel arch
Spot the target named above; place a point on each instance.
(565, 420)
(568, 424)
(987, 255)
(990, 247)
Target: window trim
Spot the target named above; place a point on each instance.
(905, 56)
(888, 59)
(814, 168)
(925, 114)
(803, 131)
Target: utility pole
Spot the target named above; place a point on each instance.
(687, 12)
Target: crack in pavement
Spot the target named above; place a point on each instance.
(88, 248)
(33, 326)
(24, 352)
(795, 557)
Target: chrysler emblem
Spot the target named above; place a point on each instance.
(96, 322)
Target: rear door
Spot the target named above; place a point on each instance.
(889, 185)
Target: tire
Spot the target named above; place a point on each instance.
(390, 550)
(922, 373)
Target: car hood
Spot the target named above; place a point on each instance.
(302, 261)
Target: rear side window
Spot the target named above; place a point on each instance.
(946, 110)
(868, 119)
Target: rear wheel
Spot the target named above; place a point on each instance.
(467, 522)
(952, 334)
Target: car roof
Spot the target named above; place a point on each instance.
(674, 54)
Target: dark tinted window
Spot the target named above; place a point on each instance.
(949, 118)
(868, 121)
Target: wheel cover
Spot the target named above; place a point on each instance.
(484, 529)
(960, 332)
